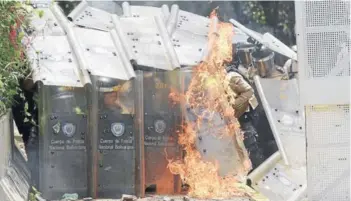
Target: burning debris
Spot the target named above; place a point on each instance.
(205, 97)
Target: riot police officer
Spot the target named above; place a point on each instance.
(25, 128)
(244, 106)
(117, 96)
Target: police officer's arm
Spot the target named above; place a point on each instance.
(244, 92)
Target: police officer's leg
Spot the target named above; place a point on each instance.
(19, 110)
(266, 139)
(32, 143)
(19, 116)
(250, 141)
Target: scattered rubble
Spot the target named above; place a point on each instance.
(128, 198)
(168, 199)
(70, 197)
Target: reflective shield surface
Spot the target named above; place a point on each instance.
(113, 144)
(161, 121)
(212, 142)
(280, 100)
(62, 150)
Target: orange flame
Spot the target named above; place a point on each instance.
(208, 89)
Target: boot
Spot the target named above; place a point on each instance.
(250, 141)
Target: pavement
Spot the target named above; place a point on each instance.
(176, 198)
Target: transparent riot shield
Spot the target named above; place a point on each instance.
(280, 100)
(213, 140)
(62, 151)
(112, 157)
(161, 121)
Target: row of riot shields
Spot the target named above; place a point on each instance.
(112, 138)
(118, 136)
(134, 135)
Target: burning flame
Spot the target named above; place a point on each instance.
(209, 90)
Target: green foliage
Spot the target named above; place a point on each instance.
(40, 13)
(13, 64)
(32, 195)
(254, 10)
(278, 15)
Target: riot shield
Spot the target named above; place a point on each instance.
(274, 178)
(62, 150)
(112, 156)
(280, 100)
(161, 122)
(212, 140)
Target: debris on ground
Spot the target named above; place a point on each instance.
(128, 197)
(186, 198)
(168, 199)
(70, 197)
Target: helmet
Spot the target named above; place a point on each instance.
(106, 84)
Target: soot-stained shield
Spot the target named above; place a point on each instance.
(213, 141)
(62, 150)
(161, 121)
(113, 144)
